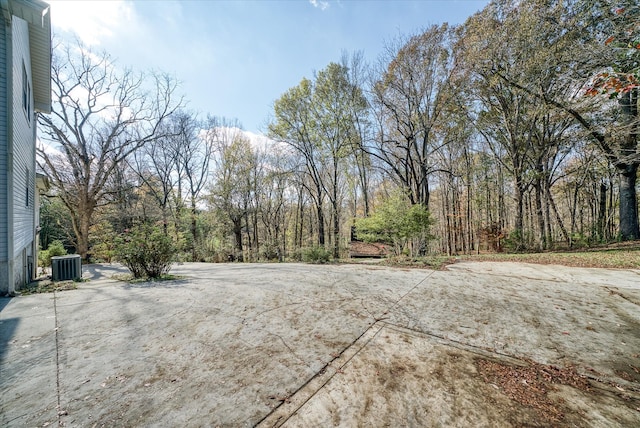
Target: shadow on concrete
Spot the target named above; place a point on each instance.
(102, 271)
(7, 329)
(4, 301)
(169, 283)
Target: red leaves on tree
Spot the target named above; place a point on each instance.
(612, 84)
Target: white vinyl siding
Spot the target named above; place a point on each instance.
(4, 252)
(23, 140)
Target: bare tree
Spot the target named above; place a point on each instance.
(100, 116)
(410, 97)
(157, 167)
(234, 186)
(293, 125)
(194, 143)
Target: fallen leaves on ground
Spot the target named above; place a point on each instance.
(621, 256)
(529, 385)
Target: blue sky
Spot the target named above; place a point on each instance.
(235, 58)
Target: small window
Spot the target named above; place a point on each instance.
(26, 93)
(28, 188)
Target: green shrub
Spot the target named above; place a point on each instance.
(315, 255)
(270, 252)
(399, 223)
(146, 251)
(56, 248)
(102, 242)
(516, 241)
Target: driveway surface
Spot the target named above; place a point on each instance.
(479, 344)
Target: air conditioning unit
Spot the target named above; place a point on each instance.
(66, 267)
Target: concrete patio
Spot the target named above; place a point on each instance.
(320, 345)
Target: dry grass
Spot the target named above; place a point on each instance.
(620, 258)
(437, 262)
(48, 286)
(624, 255)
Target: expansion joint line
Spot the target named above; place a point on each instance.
(59, 411)
(378, 323)
(282, 421)
(619, 294)
(410, 290)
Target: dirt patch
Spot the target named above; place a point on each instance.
(48, 286)
(405, 378)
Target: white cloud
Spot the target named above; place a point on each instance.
(92, 21)
(322, 5)
(259, 142)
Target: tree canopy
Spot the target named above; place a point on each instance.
(516, 130)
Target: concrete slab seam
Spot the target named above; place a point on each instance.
(284, 412)
(319, 380)
(411, 290)
(619, 294)
(57, 341)
(443, 340)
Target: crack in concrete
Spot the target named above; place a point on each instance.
(59, 412)
(275, 308)
(286, 345)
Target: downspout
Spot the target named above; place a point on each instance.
(11, 286)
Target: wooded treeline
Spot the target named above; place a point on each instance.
(517, 130)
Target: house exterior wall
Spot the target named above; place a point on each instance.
(17, 156)
(4, 135)
(25, 59)
(23, 153)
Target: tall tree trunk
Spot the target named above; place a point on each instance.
(81, 222)
(547, 218)
(336, 217)
(364, 181)
(237, 233)
(297, 223)
(602, 211)
(563, 229)
(519, 222)
(501, 204)
(336, 232)
(249, 238)
(424, 189)
(165, 220)
(82, 237)
(574, 210)
(629, 229)
(468, 213)
(320, 214)
(547, 197)
(194, 233)
(540, 215)
(611, 228)
(628, 170)
(299, 242)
